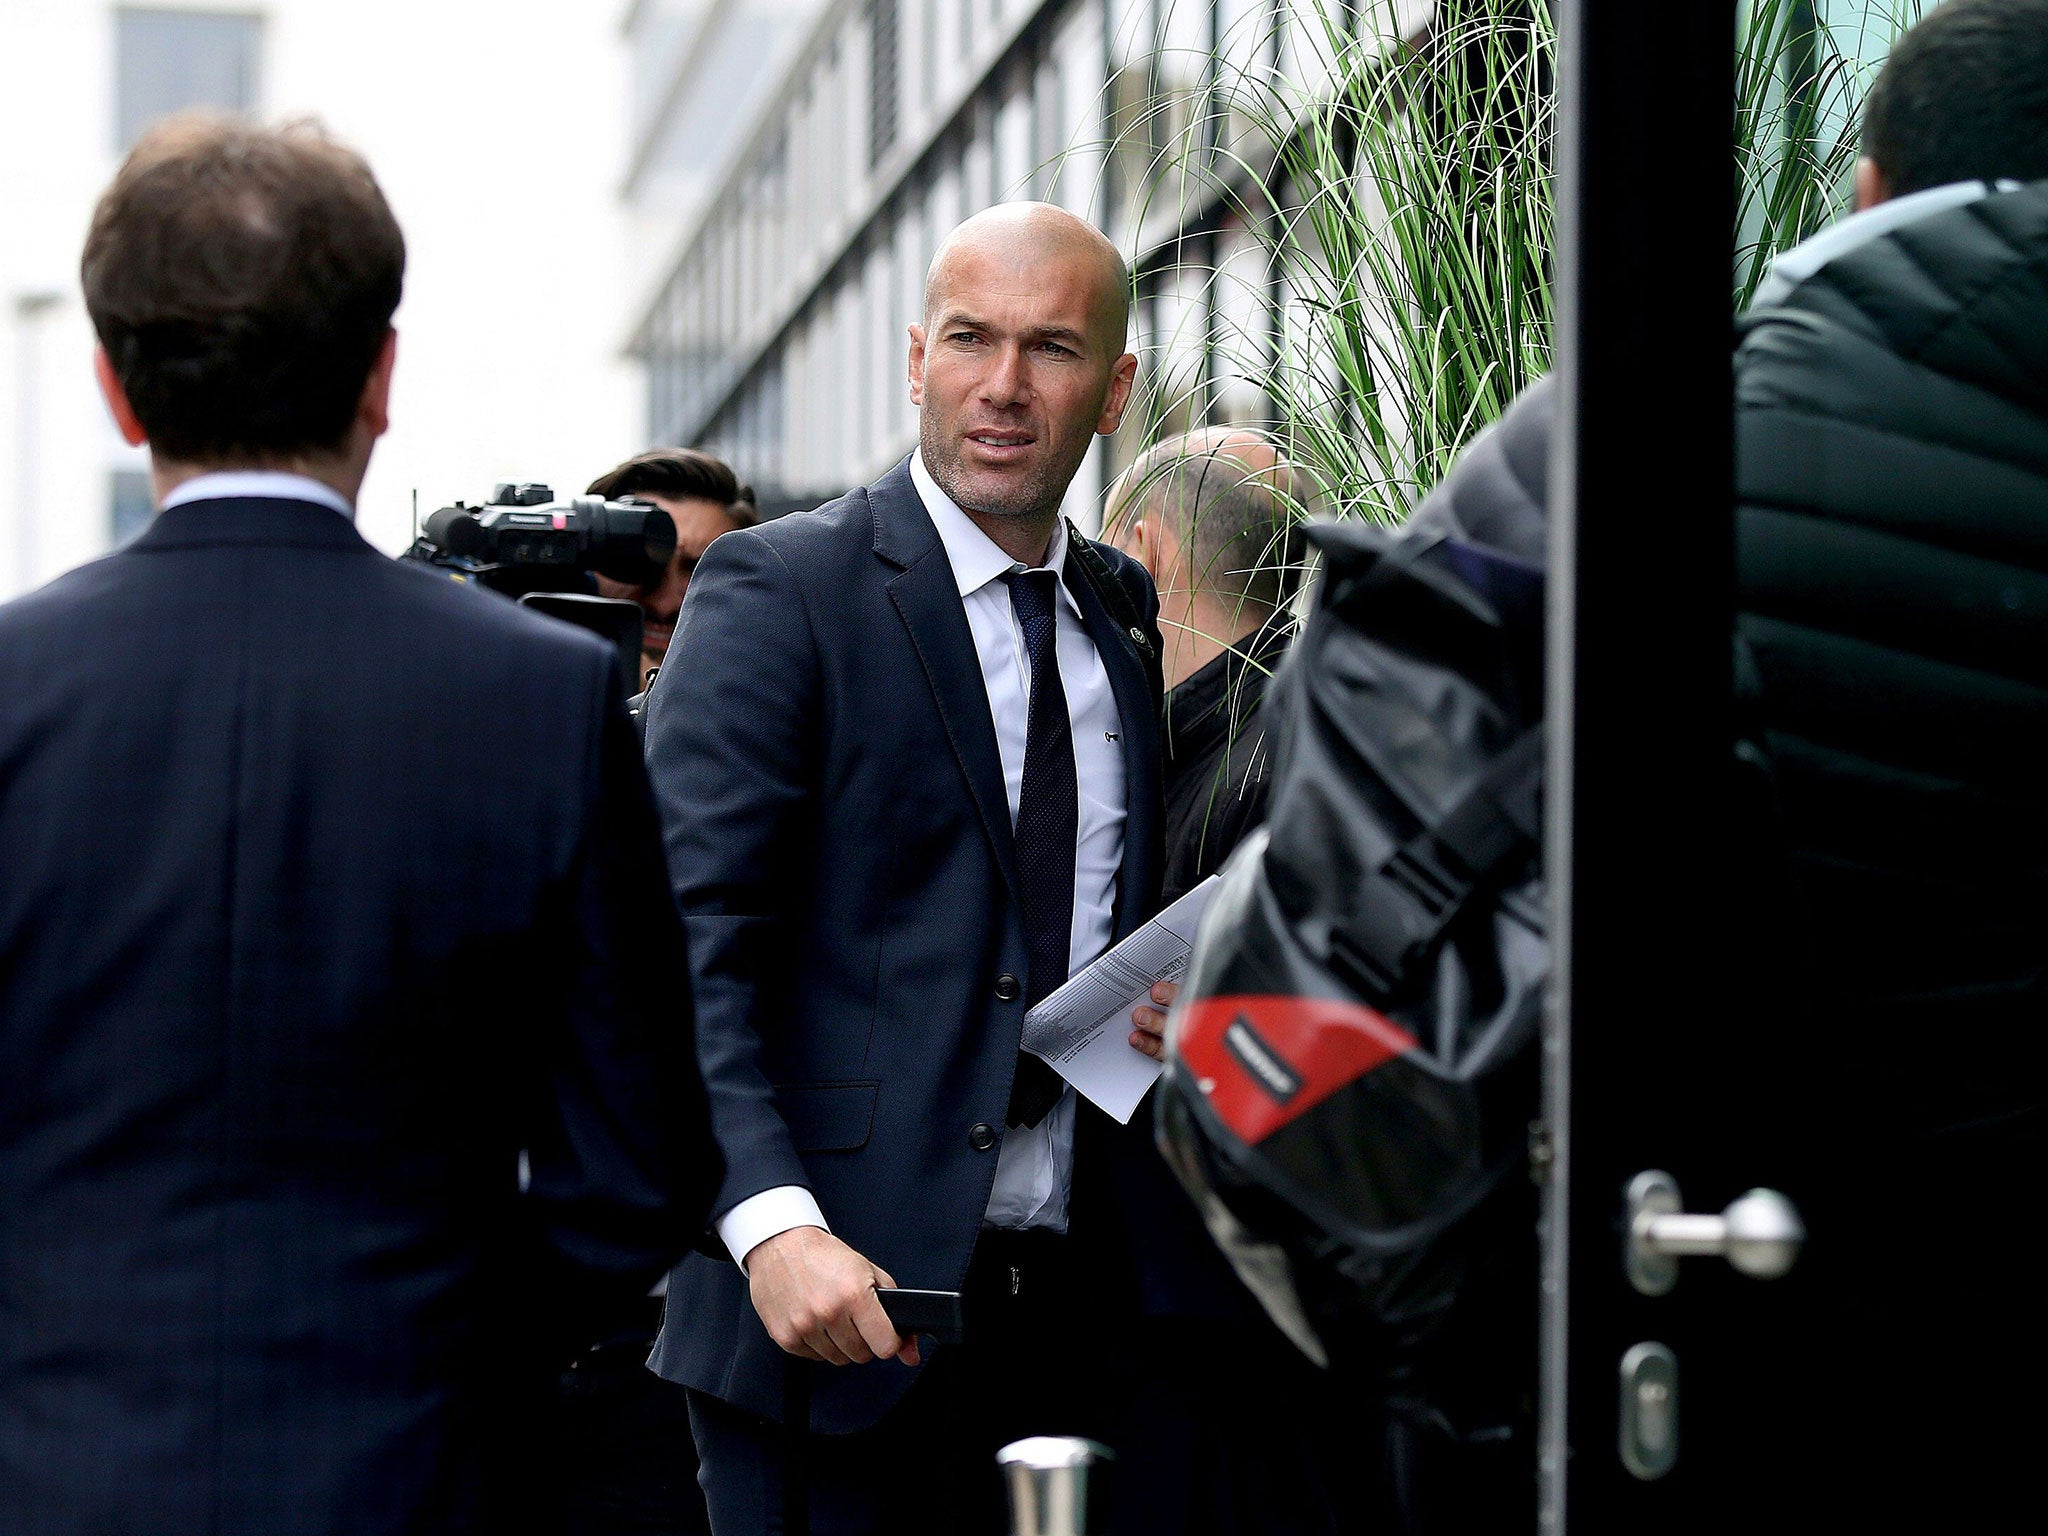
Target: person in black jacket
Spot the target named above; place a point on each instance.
(1210, 514)
(1891, 403)
(346, 1071)
(1232, 1429)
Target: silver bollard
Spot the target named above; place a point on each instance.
(1050, 1484)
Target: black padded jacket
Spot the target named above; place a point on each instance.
(1891, 666)
(1892, 639)
(1892, 560)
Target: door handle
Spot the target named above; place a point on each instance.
(1760, 1233)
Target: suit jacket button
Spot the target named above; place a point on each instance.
(1008, 989)
(982, 1137)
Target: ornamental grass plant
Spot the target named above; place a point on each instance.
(1390, 164)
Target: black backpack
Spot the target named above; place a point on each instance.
(1353, 1070)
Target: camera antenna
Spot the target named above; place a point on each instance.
(415, 512)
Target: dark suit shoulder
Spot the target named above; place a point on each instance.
(830, 532)
(394, 625)
(50, 602)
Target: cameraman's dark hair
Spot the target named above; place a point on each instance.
(682, 473)
(1963, 97)
(242, 280)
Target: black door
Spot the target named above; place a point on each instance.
(1771, 1303)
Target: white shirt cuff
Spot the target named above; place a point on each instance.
(769, 1214)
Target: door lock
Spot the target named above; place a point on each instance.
(1649, 1411)
(1760, 1233)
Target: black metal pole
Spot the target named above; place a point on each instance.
(1641, 582)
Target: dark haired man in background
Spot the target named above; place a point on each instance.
(704, 498)
(346, 1077)
(629, 1462)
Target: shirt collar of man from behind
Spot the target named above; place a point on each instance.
(976, 559)
(259, 485)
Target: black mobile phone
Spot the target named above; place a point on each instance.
(935, 1314)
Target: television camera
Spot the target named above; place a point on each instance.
(544, 554)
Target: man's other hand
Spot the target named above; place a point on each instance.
(1150, 1035)
(816, 1296)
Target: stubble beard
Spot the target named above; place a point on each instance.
(1031, 499)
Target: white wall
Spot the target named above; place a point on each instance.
(497, 129)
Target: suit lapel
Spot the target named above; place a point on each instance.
(1134, 702)
(928, 599)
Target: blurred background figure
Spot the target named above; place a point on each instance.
(705, 499)
(349, 1087)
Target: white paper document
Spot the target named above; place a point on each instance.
(1083, 1031)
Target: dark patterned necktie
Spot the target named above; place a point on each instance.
(1048, 815)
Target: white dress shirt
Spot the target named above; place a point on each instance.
(1034, 1172)
(261, 484)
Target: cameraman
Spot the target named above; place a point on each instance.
(627, 1458)
(704, 498)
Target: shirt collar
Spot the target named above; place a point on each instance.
(1859, 229)
(976, 558)
(259, 485)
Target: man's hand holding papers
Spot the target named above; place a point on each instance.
(1080, 1030)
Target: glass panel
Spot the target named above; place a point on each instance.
(1013, 143)
(1243, 325)
(883, 93)
(913, 255)
(131, 503)
(1078, 132)
(168, 61)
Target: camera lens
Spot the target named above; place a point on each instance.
(630, 541)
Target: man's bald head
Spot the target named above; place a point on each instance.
(1027, 239)
(1229, 498)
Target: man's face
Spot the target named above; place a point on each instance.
(697, 522)
(1013, 377)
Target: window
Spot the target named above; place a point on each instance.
(882, 83)
(131, 503)
(170, 60)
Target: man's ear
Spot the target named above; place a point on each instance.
(1153, 545)
(1121, 378)
(373, 409)
(1871, 186)
(125, 419)
(1123, 530)
(917, 365)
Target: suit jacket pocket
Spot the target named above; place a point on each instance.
(828, 1117)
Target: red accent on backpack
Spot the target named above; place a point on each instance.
(1263, 1061)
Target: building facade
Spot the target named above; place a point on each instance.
(493, 125)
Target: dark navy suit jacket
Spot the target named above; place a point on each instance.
(832, 795)
(327, 888)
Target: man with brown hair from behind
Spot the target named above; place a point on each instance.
(346, 1072)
